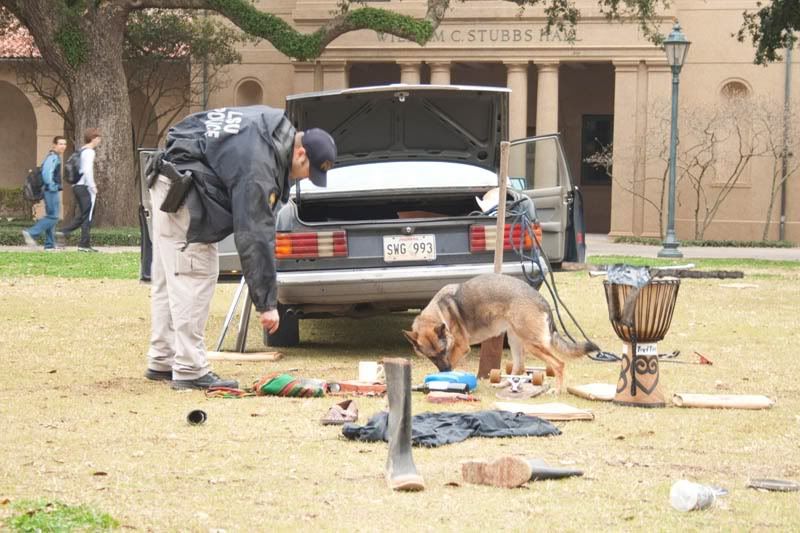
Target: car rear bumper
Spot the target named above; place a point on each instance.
(385, 285)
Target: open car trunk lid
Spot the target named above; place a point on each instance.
(409, 122)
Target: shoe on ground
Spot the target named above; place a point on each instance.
(339, 413)
(29, 241)
(209, 380)
(507, 472)
(158, 375)
(54, 249)
(87, 249)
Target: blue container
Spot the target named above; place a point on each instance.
(454, 376)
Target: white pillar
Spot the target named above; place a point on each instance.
(547, 98)
(334, 74)
(546, 163)
(409, 72)
(517, 81)
(626, 74)
(440, 73)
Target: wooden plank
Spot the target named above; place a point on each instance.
(722, 401)
(236, 356)
(555, 411)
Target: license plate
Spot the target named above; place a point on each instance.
(409, 248)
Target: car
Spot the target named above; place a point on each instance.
(410, 204)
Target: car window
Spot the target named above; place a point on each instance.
(536, 164)
(402, 175)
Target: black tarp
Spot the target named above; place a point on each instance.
(436, 429)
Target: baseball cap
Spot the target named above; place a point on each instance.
(321, 151)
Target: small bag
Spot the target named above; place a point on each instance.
(72, 168)
(33, 188)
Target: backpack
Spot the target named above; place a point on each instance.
(72, 168)
(33, 188)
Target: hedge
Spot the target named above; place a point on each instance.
(13, 204)
(11, 235)
(717, 243)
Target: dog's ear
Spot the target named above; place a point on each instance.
(441, 330)
(412, 337)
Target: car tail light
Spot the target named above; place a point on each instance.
(311, 245)
(483, 238)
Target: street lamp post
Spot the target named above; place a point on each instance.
(676, 46)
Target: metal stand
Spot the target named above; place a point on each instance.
(244, 319)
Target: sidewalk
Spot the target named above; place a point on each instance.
(601, 244)
(596, 244)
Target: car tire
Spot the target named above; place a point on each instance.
(288, 333)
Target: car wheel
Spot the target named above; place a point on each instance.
(288, 333)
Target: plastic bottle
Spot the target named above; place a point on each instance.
(687, 496)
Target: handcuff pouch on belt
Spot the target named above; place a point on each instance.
(181, 182)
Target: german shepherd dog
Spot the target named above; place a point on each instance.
(485, 307)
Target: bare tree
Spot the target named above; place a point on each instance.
(779, 123)
(719, 142)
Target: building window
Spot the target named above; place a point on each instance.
(597, 132)
(734, 90)
(249, 92)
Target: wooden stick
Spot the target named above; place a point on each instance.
(492, 349)
(236, 356)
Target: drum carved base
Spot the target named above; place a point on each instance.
(638, 383)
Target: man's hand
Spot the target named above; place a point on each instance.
(270, 320)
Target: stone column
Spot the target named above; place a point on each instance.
(517, 81)
(409, 72)
(334, 74)
(659, 93)
(440, 73)
(546, 162)
(626, 91)
(305, 77)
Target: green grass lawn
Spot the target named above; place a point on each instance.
(81, 428)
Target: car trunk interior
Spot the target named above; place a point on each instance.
(406, 206)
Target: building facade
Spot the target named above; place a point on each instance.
(610, 87)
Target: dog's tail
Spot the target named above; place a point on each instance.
(570, 349)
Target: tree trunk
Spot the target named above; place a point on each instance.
(100, 100)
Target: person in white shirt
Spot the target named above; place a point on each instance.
(85, 191)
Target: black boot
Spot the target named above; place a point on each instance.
(401, 474)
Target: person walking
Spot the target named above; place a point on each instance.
(85, 191)
(51, 187)
(223, 171)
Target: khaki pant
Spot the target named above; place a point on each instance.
(183, 278)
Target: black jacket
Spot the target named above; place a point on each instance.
(239, 158)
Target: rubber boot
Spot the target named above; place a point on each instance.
(511, 471)
(401, 474)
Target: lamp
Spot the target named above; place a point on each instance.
(676, 47)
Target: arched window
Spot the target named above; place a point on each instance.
(736, 135)
(734, 90)
(249, 92)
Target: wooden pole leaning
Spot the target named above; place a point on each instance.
(492, 349)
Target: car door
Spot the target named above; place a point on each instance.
(537, 167)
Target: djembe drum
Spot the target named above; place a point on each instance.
(640, 327)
